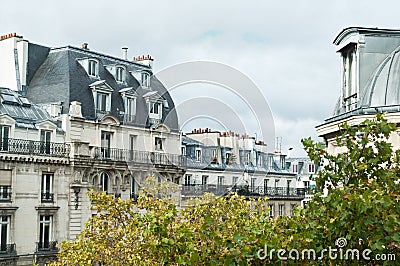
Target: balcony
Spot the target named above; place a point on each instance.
(270, 192)
(139, 157)
(198, 190)
(47, 197)
(30, 147)
(7, 249)
(5, 193)
(47, 246)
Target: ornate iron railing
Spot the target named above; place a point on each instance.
(5, 193)
(141, 157)
(7, 249)
(23, 146)
(47, 246)
(273, 192)
(198, 190)
(47, 197)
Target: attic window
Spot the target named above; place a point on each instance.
(10, 99)
(145, 80)
(120, 74)
(93, 68)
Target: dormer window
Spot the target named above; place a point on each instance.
(129, 96)
(145, 80)
(155, 108)
(102, 96)
(120, 74)
(93, 68)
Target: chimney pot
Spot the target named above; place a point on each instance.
(125, 53)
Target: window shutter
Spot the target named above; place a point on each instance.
(5, 177)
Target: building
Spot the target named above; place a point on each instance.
(304, 169)
(222, 162)
(73, 119)
(370, 71)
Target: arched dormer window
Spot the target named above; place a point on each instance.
(145, 82)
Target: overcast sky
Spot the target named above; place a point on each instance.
(285, 47)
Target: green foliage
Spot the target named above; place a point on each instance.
(361, 206)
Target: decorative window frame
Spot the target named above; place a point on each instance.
(85, 62)
(128, 94)
(101, 87)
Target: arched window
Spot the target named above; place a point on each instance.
(104, 182)
(120, 74)
(93, 69)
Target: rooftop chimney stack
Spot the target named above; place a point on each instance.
(146, 60)
(85, 46)
(125, 53)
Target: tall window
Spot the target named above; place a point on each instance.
(4, 135)
(120, 74)
(45, 138)
(247, 158)
(106, 144)
(221, 180)
(198, 155)
(183, 150)
(155, 108)
(133, 189)
(92, 68)
(253, 184)
(4, 232)
(104, 182)
(45, 232)
(271, 210)
(188, 180)
(5, 185)
(234, 181)
(101, 102)
(158, 143)
(130, 109)
(266, 186)
(145, 80)
(204, 180)
(311, 168)
(228, 159)
(132, 143)
(295, 168)
(47, 187)
(281, 210)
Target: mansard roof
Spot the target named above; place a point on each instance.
(61, 77)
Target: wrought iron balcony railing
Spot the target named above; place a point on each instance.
(7, 249)
(272, 192)
(198, 190)
(47, 197)
(141, 157)
(23, 146)
(47, 246)
(5, 193)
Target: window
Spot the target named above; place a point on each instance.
(292, 207)
(130, 109)
(132, 143)
(45, 138)
(311, 168)
(47, 187)
(295, 168)
(306, 184)
(158, 144)
(259, 159)
(155, 108)
(104, 182)
(198, 155)
(145, 80)
(281, 210)
(102, 102)
(271, 210)
(106, 145)
(234, 181)
(93, 68)
(204, 180)
(4, 135)
(183, 151)
(221, 180)
(266, 186)
(228, 158)
(247, 158)
(188, 180)
(5, 185)
(133, 189)
(253, 184)
(45, 232)
(4, 232)
(120, 74)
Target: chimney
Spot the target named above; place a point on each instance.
(146, 60)
(125, 53)
(85, 46)
(75, 109)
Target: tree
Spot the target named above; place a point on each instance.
(361, 209)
